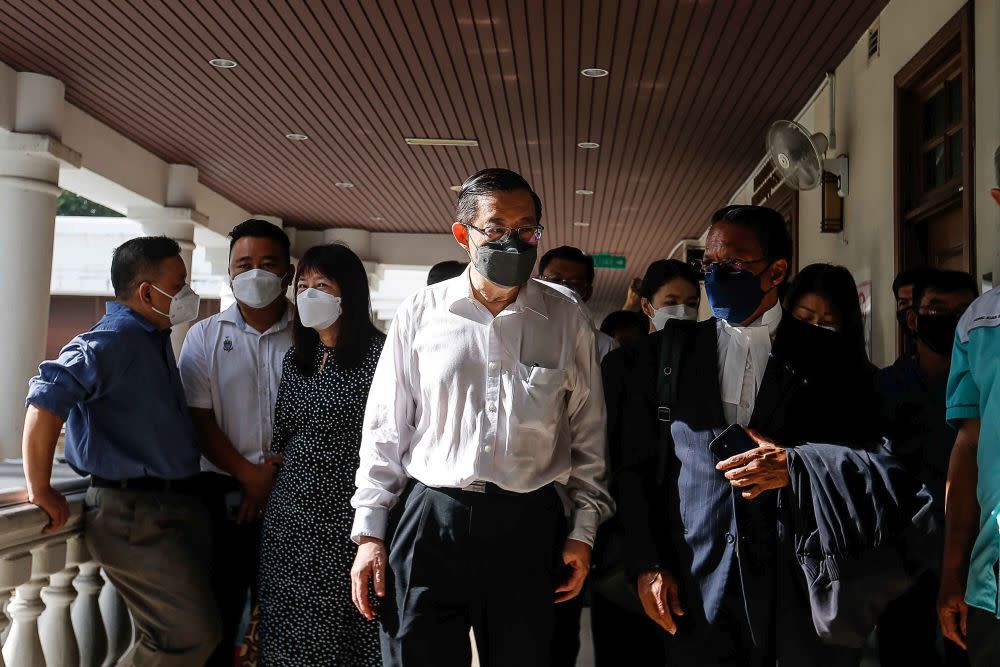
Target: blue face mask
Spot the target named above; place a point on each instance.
(734, 295)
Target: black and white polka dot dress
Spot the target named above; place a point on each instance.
(307, 618)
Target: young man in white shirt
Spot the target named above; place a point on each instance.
(488, 392)
(231, 367)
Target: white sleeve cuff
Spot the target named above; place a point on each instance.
(369, 522)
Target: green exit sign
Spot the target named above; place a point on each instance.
(603, 260)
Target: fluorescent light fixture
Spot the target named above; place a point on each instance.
(344, 185)
(222, 63)
(588, 144)
(296, 136)
(581, 224)
(594, 72)
(584, 192)
(456, 188)
(416, 141)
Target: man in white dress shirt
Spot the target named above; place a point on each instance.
(488, 392)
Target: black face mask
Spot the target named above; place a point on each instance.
(938, 331)
(506, 263)
(813, 350)
(901, 319)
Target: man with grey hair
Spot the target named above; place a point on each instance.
(967, 603)
(487, 394)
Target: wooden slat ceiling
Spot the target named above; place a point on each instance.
(680, 119)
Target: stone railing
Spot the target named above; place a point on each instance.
(59, 608)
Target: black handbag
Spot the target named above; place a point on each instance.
(610, 577)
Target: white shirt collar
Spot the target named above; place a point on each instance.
(233, 315)
(529, 297)
(745, 350)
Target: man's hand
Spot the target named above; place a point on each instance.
(660, 598)
(257, 480)
(759, 470)
(54, 504)
(576, 554)
(368, 564)
(952, 610)
(632, 299)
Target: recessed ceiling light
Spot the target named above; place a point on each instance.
(594, 72)
(456, 188)
(588, 144)
(377, 218)
(584, 192)
(344, 185)
(581, 224)
(296, 136)
(222, 63)
(417, 141)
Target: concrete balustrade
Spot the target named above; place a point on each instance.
(56, 608)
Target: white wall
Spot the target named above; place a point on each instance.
(865, 116)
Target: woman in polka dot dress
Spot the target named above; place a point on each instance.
(306, 615)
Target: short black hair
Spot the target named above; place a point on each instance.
(445, 270)
(662, 271)
(936, 280)
(571, 254)
(489, 181)
(261, 229)
(622, 320)
(138, 260)
(768, 226)
(908, 277)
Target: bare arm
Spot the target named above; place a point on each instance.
(38, 447)
(257, 478)
(961, 529)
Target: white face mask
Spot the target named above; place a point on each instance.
(679, 312)
(317, 309)
(183, 305)
(256, 288)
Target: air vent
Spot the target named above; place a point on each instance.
(873, 43)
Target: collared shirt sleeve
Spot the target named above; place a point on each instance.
(386, 434)
(963, 393)
(84, 369)
(587, 485)
(195, 369)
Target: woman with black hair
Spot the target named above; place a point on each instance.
(669, 290)
(306, 613)
(824, 343)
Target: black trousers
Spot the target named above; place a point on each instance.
(983, 638)
(235, 549)
(908, 631)
(622, 637)
(566, 631)
(460, 559)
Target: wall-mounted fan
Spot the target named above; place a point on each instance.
(800, 157)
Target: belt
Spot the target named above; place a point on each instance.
(490, 489)
(188, 485)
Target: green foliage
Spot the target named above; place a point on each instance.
(73, 204)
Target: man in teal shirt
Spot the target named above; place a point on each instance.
(968, 602)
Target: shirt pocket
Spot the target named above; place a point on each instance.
(538, 405)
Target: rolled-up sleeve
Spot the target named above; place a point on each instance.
(72, 378)
(587, 414)
(963, 393)
(194, 369)
(385, 436)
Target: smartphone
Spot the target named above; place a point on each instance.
(734, 440)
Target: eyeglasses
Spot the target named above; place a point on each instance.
(499, 233)
(729, 265)
(576, 285)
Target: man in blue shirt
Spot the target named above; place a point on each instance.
(117, 389)
(968, 602)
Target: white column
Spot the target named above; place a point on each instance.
(30, 159)
(117, 623)
(14, 571)
(56, 625)
(91, 636)
(358, 240)
(24, 647)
